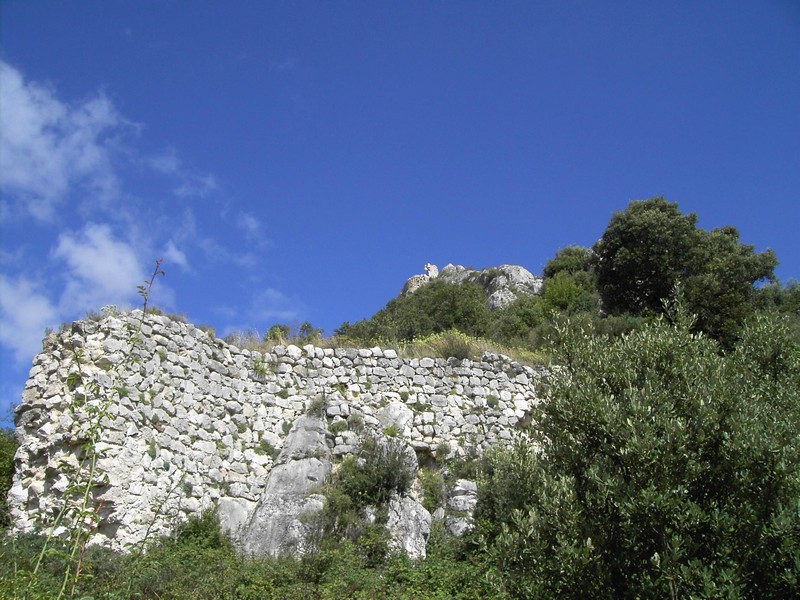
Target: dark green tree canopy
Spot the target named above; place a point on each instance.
(643, 253)
(651, 248)
(571, 259)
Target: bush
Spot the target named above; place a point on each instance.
(667, 469)
(433, 489)
(8, 447)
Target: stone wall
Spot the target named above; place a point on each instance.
(198, 423)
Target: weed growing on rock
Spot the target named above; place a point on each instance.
(338, 427)
(317, 406)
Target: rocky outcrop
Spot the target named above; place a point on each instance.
(461, 502)
(502, 284)
(417, 281)
(281, 522)
(409, 526)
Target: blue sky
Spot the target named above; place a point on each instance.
(296, 161)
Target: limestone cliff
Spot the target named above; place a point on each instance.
(502, 284)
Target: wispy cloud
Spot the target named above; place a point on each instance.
(272, 305)
(99, 268)
(249, 224)
(25, 312)
(175, 256)
(167, 162)
(196, 186)
(216, 252)
(267, 307)
(48, 147)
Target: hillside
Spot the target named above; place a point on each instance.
(657, 458)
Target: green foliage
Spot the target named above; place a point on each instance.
(667, 469)
(442, 452)
(447, 344)
(338, 427)
(433, 308)
(379, 469)
(277, 335)
(433, 488)
(643, 253)
(392, 431)
(201, 563)
(8, 446)
(355, 422)
(569, 260)
(308, 334)
(208, 329)
(651, 248)
(570, 293)
(317, 406)
(267, 449)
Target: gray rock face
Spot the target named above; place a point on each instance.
(281, 521)
(409, 526)
(461, 503)
(502, 284)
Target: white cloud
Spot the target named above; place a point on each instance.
(100, 269)
(215, 252)
(175, 256)
(273, 305)
(249, 224)
(196, 186)
(47, 147)
(167, 162)
(25, 312)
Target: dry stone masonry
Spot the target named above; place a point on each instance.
(201, 424)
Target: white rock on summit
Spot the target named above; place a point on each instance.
(502, 284)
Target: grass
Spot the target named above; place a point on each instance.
(454, 344)
(200, 562)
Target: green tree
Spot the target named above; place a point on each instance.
(651, 247)
(277, 334)
(308, 334)
(571, 259)
(666, 469)
(570, 292)
(719, 286)
(642, 254)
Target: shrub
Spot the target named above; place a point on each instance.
(667, 469)
(208, 329)
(391, 431)
(433, 489)
(8, 446)
(356, 422)
(317, 406)
(338, 427)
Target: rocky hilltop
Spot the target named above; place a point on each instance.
(502, 284)
(179, 422)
